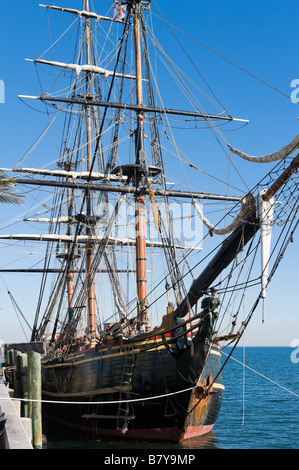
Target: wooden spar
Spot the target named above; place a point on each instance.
(282, 179)
(60, 271)
(127, 189)
(95, 239)
(134, 107)
(72, 175)
(138, 70)
(140, 227)
(90, 247)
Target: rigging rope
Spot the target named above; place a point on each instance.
(17, 309)
(262, 375)
(222, 57)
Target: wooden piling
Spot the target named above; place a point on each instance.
(23, 371)
(34, 392)
(17, 375)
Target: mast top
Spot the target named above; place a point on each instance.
(135, 3)
(143, 2)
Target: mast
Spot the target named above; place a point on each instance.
(70, 276)
(140, 179)
(90, 246)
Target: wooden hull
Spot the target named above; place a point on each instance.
(160, 399)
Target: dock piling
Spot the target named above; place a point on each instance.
(34, 382)
(22, 367)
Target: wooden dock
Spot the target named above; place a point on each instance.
(12, 426)
(20, 396)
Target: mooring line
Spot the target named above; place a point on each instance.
(99, 402)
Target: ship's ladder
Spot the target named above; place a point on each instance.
(125, 411)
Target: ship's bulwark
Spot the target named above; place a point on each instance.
(108, 375)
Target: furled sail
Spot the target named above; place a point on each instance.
(93, 175)
(91, 239)
(82, 68)
(271, 157)
(247, 204)
(265, 213)
(86, 14)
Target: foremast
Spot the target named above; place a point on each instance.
(140, 178)
(90, 247)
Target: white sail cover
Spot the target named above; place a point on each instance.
(111, 241)
(55, 220)
(87, 14)
(271, 157)
(265, 212)
(247, 204)
(70, 174)
(82, 68)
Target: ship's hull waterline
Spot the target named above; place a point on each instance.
(162, 398)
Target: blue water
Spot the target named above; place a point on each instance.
(256, 412)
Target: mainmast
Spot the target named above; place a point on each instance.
(70, 276)
(90, 246)
(140, 177)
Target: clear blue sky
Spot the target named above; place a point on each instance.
(259, 36)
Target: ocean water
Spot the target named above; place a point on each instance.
(260, 408)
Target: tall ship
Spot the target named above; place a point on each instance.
(143, 276)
